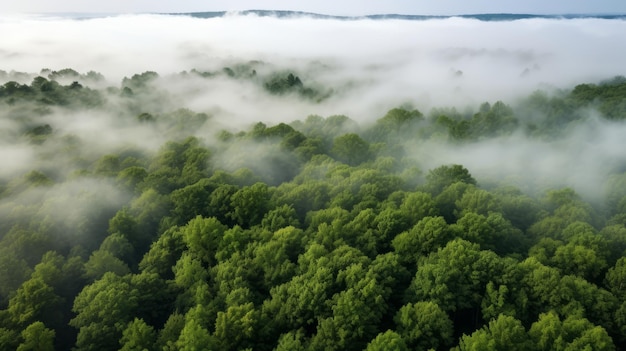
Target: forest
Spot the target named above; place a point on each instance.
(129, 221)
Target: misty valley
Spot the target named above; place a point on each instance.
(145, 215)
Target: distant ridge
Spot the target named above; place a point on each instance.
(487, 17)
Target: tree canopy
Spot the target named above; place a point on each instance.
(316, 234)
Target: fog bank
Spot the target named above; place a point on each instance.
(432, 62)
(361, 69)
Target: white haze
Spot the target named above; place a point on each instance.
(583, 159)
(371, 66)
(387, 61)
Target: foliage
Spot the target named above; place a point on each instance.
(326, 235)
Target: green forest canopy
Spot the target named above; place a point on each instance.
(335, 240)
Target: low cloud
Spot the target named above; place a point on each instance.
(366, 66)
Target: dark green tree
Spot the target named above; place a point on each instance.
(441, 177)
(351, 149)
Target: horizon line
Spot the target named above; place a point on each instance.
(326, 14)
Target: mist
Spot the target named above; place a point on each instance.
(582, 159)
(364, 67)
(432, 62)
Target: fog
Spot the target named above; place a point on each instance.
(366, 66)
(582, 160)
(385, 61)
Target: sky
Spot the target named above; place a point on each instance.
(333, 7)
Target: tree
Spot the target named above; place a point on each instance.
(428, 235)
(98, 330)
(579, 260)
(619, 316)
(447, 201)
(521, 210)
(277, 258)
(455, 276)
(37, 338)
(302, 300)
(170, 333)
(194, 336)
(124, 224)
(238, 273)
(163, 253)
(280, 217)
(493, 120)
(292, 341)
(9, 339)
(34, 301)
(504, 333)
(146, 211)
(616, 278)
(391, 276)
(568, 206)
(13, 272)
(235, 328)
(234, 240)
(189, 276)
(499, 299)
(397, 124)
(362, 233)
(615, 237)
(202, 236)
(389, 223)
(542, 285)
(424, 325)
(387, 341)
(356, 314)
(237, 322)
(417, 205)
(478, 201)
(155, 297)
(192, 200)
(137, 336)
(220, 205)
(131, 177)
(581, 297)
(491, 231)
(250, 204)
(549, 332)
(118, 245)
(441, 177)
(101, 262)
(351, 149)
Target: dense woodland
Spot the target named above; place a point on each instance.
(324, 234)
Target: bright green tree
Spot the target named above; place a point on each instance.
(423, 325)
(37, 338)
(503, 333)
(138, 336)
(549, 332)
(34, 301)
(194, 336)
(202, 236)
(387, 341)
(98, 330)
(428, 235)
